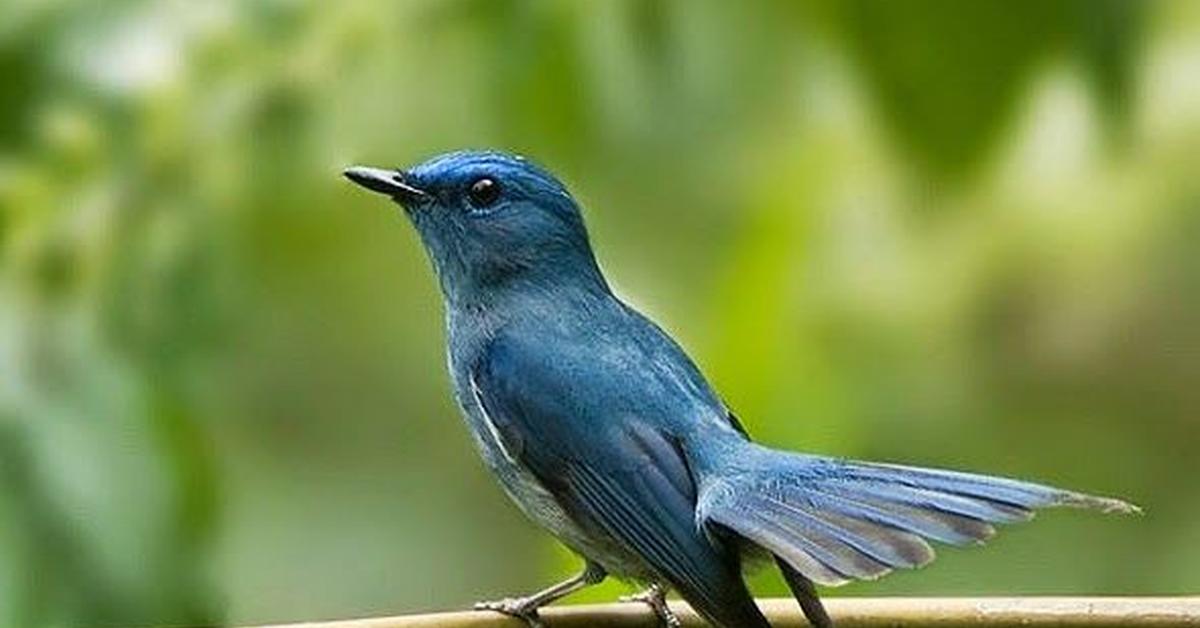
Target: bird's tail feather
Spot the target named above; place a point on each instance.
(834, 521)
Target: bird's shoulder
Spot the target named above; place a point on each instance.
(543, 367)
(595, 376)
(618, 355)
(567, 405)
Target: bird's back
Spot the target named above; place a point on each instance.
(585, 417)
(613, 360)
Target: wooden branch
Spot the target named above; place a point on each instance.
(1006, 612)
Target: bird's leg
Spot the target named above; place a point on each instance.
(656, 597)
(527, 607)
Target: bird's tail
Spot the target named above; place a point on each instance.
(830, 521)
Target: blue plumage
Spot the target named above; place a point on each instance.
(603, 431)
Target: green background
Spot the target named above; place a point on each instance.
(959, 234)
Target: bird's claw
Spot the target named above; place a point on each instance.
(656, 598)
(519, 607)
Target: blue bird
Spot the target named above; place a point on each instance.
(604, 432)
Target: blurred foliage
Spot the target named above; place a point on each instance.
(946, 74)
(949, 233)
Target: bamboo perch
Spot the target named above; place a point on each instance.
(991, 612)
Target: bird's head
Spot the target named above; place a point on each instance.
(491, 222)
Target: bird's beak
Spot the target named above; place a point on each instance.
(390, 182)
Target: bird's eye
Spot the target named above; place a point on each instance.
(484, 192)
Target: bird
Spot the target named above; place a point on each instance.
(603, 431)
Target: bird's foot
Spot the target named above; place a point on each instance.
(524, 608)
(656, 598)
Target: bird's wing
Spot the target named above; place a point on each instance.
(573, 422)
